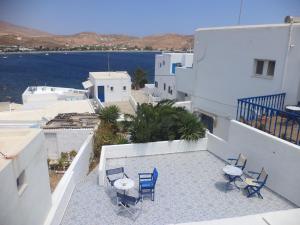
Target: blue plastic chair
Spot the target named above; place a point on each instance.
(147, 183)
(253, 186)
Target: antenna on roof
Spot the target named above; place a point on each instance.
(240, 13)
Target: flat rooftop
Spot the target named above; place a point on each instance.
(110, 75)
(73, 121)
(190, 187)
(48, 111)
(13, 141)
(238, 27)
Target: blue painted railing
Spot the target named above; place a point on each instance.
(267, 114)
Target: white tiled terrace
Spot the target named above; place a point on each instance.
(190, 187)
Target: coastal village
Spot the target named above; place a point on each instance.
(230, 107)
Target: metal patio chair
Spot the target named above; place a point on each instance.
(114, 174)
(239, 162)
(253, 186)
(129, 204)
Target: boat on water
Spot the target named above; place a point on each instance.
(47, 54)
(4, 57)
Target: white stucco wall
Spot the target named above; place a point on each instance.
(118, 94)
(184, 78)
(31, 206)
(221, 127)
(144, 149)
(64, 140)
(163, 72)
(169, 80)
(224, 65)
(280, 158)
(75, 174)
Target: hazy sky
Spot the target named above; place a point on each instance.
(141, 17)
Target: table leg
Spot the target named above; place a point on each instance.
(124, 202)
(232, 179)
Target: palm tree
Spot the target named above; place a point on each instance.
(139, 78)
(191, 128)
(109, 114)
(164, 122)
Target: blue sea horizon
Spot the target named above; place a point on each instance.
(18, 71)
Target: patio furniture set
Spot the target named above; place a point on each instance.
(235, 171)
(119, 180)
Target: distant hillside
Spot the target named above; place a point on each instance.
(11, 29)
(11, 35)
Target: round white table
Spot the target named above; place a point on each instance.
(124, 184)
(293, 108)
(233, 173)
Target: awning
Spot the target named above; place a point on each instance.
(87, 84)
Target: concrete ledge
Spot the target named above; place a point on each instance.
(286, 217)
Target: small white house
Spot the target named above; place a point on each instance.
(240, 61)
(109, 86)
(165, 71)
(25, 196)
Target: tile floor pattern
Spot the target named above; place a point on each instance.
(190, 187)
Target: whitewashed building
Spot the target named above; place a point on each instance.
(240, 61)
(25, 196)
(166, 65)
(67, 132)
(109, 86)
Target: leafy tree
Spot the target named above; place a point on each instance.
(108, 132)
(109, 114)
(139, 78)
(164, 122)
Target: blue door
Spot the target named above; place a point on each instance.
(173, 67)
(101, 93)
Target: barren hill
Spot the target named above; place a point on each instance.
(11, 29)
(26, 37)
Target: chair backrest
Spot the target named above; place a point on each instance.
(114, 171)
(241, 161)
(154, 176)
(263, 176)
(127, 199)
